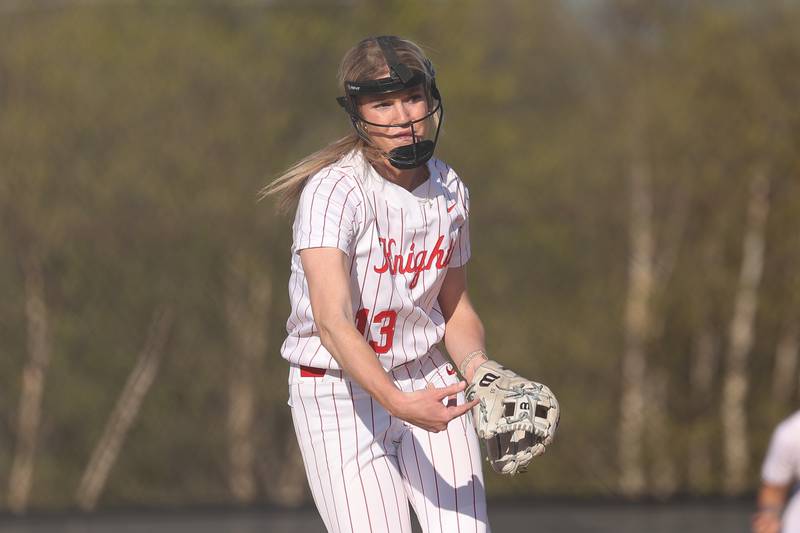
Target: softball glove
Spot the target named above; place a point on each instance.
(516, 418)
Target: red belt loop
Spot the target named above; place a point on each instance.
(311, 372)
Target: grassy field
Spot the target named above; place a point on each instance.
(561, 517)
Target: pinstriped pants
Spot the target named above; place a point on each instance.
(365, 466)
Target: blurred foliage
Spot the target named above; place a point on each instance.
(135, 136)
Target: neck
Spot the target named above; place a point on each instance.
(408, 179)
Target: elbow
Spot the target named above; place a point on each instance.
(329, 331)
(326, 337)
(325, 333)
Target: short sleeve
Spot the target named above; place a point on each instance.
(461, 246)
(328, 212)
(781, 460)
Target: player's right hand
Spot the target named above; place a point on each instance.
(425, 408)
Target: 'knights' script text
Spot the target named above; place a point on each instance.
(415, 262)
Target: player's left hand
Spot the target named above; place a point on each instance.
(516, 418)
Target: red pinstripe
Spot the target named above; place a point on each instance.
(435, 481)
(307, 338)
(428, 301)
(358, 464)
(366, 270)
(461, 231)
(292, 322)
(405, 316)
(363, 204)
(400, 515)
(472, 469)
(414, 325)
(450, 445)
(327, 463)
(375, 233)
(462, 246)
(389, 425)
(341, 461)
(327, 205)
(434, 294)
(311, 207)
(363, 199)
(377, 479)
(391, 295)
(311, 360)
(372, 310)
(460, 196)
(341, 216)
(416, 458)
(402, 465)
(425, 244)
(314, 452)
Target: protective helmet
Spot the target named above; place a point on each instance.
(401, 77)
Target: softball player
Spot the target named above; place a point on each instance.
(780, 471)
(378, 280)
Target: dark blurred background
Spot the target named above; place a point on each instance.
(635, 181)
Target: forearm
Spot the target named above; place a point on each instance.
(464, 335)
(358, 360)
(772, 498)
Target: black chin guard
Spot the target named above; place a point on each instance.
(400, 77)
(412, 155)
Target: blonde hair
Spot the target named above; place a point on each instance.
(364, 61)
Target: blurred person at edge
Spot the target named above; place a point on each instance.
(781, 470)
(380, 246)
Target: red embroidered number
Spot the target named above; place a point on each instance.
(387, 319)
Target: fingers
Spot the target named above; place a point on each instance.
(451, 413)
(766, 523)
(452, 390)
(429, 411)
(454, 411)
(459, 410)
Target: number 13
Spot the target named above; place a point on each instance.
(387, 319)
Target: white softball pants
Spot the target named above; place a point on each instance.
(364, 466)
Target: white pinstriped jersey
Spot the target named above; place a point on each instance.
(399, 245)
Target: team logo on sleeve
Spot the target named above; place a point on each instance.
(415, 261)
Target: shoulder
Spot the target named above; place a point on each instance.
(789, 428)
(445, 173)
(451, 181)
(786, 438)
(346, 170)
(340, 181)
